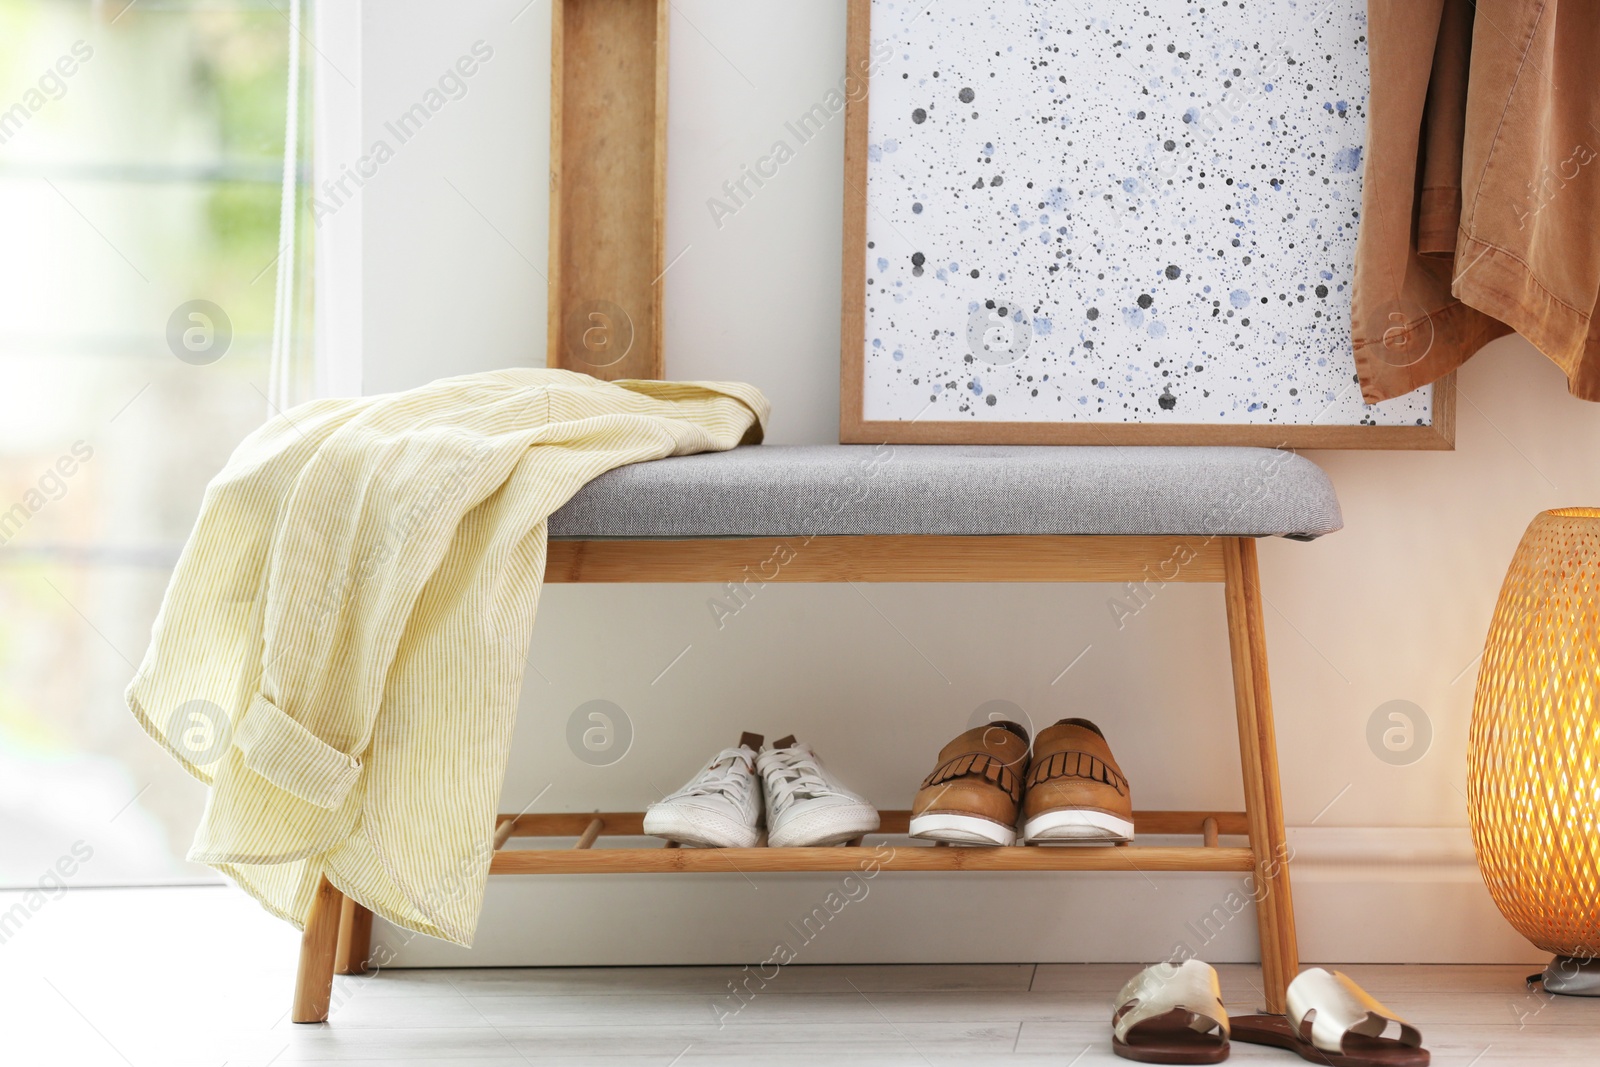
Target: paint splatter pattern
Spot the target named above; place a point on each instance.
(1098, 211)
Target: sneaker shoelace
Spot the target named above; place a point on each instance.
(730, 774)
(793, 774)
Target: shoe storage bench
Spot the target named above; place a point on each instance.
(918, 513)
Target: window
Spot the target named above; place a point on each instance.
(141, 173)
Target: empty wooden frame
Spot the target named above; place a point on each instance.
(608, 183)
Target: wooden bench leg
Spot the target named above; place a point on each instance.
(1258, 754)
(313, 986)
(355, 939)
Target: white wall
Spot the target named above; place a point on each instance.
(1393, 608)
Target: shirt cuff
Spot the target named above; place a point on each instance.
(292, 758)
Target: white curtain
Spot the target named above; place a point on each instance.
(284, 377)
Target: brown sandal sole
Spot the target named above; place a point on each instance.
(1169, 1039)
(1274, 1030)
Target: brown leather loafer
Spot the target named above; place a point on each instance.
(1075, 790)
(972, 796)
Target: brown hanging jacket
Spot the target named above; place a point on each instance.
(1481, 201)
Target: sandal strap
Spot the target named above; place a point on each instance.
(1341, 1007)
(1072, 764)
(1191, 986)
(983, 765)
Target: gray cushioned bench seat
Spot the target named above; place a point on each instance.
(820, 490)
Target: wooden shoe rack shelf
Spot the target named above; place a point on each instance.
(662, 858)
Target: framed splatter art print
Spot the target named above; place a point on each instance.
(1093, 222)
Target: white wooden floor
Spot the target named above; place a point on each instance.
(169, 978)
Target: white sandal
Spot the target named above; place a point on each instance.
(1171, 1013)
(1333, 1021)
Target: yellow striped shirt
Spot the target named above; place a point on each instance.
(341, 647)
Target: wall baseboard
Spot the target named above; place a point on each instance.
(1397, 895)
(1362, 895)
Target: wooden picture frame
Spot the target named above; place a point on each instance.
(855, 428)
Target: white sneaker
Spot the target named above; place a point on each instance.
(806, 805)
(719, 808)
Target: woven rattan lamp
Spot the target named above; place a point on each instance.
(1533, 760)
